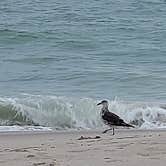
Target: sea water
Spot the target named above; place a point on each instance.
(59, 58)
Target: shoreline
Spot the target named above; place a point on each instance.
(83, 131)
(61, 148)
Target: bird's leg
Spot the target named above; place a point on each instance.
(106, 130)
(113, 131)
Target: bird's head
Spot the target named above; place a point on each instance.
(104, 103)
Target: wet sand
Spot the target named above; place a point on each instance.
(84, 148)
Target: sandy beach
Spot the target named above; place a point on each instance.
(83, 148)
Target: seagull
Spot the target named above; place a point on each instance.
(110, 118)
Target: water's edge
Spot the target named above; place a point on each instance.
(36, 112)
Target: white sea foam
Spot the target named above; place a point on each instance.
(24, 128)
(68, 113)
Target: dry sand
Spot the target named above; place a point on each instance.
(125, 148)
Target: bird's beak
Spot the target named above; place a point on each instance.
(98, 103)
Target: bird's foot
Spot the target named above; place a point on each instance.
(104, 131)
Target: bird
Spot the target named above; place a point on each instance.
(111, 119)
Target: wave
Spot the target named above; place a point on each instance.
(68, 113)
(17, 37)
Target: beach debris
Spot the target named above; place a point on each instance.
(30, 155)
(36, 164)
(19, 150)
(51, 164)
(83, 137)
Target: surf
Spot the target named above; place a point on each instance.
(64, 113)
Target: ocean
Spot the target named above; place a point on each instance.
(59, 58)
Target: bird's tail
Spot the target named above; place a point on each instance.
(128, 125)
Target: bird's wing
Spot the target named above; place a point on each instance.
(112, 118)
(111, 115)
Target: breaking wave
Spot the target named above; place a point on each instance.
(68, 113)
